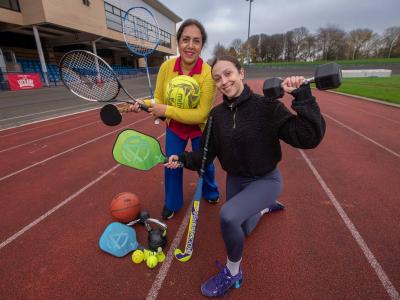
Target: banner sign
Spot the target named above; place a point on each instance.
(24, 81)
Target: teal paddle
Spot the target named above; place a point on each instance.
(137, 150)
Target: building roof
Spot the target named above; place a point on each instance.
(163, 9)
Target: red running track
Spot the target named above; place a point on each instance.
(337, 239)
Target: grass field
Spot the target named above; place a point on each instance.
(386, 89)
(369, 61)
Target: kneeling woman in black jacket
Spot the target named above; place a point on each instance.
(245, 137)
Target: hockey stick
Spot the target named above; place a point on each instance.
(187, 254)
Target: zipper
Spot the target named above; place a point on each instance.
(234, 115)
(234, 118)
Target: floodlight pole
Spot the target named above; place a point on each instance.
(248, 33)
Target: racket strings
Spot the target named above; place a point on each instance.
(89, 77)
(141, 31)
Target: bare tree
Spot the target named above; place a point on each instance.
(298, 39)
(219, 50)
(276, 47)
(289, 46)
(237, 45)
(309, 48)
(357, 39)
(331, 41)
(391, 38)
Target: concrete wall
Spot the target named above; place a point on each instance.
(12, 17)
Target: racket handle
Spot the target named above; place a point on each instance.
(143, 107)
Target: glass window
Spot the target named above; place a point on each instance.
(10, 4)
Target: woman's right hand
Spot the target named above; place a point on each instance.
(135, 107)
(173, 162)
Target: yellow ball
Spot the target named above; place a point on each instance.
(183, 92)
(151, 262)
(147, 253)
(160, 256)
(137, 256)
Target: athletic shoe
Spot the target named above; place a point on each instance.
(275, 207)
(222, 282)
(213, 201)
(167, 214)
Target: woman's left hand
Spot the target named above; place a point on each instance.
(158, 110)
(292, 83)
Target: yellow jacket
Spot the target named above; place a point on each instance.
(195, 116)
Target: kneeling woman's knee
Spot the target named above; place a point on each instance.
(226, 217)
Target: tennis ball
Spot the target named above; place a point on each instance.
(137, 256)
(183, 92)
(147, 253)
(151, 261)
(160, 256)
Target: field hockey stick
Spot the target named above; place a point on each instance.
(194, 216)
(91, 78)
(142, 36)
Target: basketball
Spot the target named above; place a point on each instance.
(125, 207)
(183, 92)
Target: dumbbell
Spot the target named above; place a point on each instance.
(157, 237)
(327, 76)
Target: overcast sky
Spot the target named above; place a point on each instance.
(226, 20)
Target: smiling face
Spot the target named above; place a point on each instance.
(190, 45)
(228, 79)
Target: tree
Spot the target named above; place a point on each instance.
(357, 40)
(331, 41)
(237, 45)
(289, 46)
(299, 37)
(219, 50)
(391, 38)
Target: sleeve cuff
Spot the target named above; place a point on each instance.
(303, 93)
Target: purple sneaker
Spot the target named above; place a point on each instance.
(222, 282)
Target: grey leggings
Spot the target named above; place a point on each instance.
(246, 197)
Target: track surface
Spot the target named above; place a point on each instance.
(338, 237)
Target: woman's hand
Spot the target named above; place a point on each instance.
(292, 83)
(134, 107)
(158, 110)
(173, 162)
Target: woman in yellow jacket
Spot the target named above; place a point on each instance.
(185, 124)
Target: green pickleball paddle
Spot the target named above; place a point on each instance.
(137, 150)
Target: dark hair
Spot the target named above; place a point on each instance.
(229, 58)
(196, 23)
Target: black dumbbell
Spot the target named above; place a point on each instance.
(327, 76)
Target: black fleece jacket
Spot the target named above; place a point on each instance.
(246, 131)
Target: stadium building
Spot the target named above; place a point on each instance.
(34, 35)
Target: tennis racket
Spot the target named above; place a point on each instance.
(142, 36)
(90, 77)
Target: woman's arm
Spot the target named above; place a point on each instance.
(306, 129)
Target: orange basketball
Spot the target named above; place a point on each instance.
(125, 207)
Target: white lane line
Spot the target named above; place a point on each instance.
(69, 150)
(48, 136)
(61, 204)
(166, 265)
(363, 136)
(55, 117)
(43, 120)
(366, 111)
(387, 284)
(43, 112)
(54, 209)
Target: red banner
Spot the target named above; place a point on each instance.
(24, 81)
